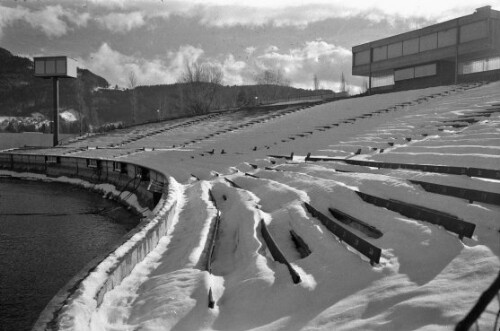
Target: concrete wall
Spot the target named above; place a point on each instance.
(125, 177)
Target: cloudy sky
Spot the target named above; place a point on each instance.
(155, 38)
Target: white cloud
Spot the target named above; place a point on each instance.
(185, 55)
(125, 15)
(283, 13)
(77, 18)
(314, 50)
(299, 65)
(300, 13)
(341, 8)
(9, 15)
(51, 20)
(271, 49)
(234, 71)
(250, 50)
(116, 67)
(122, 22)
(311, 52)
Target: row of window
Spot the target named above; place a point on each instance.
(470, 67)
(389, 78)
(415, 72)
(469, 32)
(382, 80)
(464, 68)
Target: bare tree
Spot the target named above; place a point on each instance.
(132, 83)
(316, 82)
(342, 83)
(202, 84)
(272, 77)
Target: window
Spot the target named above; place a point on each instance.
(92, 163)
(410, 46)
(39, 67)
(428, 42)
(492, 63)
(447, 37)
(473, 31)
(395, 50)
(362, 57)
(415, 72)
(425, 70)
(383, 80)
(380, 53)
(52, 159)
(119, 167)
(481, 65)
(50, 67)
(471, 67)
(60, 66)
(403, 74)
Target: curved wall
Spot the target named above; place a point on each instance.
(83, 294)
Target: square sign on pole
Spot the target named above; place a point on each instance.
(55, 67)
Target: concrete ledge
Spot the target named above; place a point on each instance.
(276, 252)
(211, 247)
(364, 247)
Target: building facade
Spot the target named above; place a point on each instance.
(463, 49)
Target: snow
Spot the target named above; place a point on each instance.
(69, 116)
(427, 279)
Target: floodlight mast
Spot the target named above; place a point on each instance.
(55, 98)
(55, 67)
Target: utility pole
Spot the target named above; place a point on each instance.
(55, 99)
(457, 44)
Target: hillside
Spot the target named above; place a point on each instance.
(171, 101)
(22, 94)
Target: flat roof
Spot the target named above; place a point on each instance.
(479, 14)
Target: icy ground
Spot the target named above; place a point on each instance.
(427, 278)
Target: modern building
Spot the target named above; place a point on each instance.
(463, 49)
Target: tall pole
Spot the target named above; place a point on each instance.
(457, 44)
(55, 97)
(370, 72)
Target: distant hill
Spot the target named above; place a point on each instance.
(169, 101)
(22, 94)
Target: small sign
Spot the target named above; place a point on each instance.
(55, 66)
